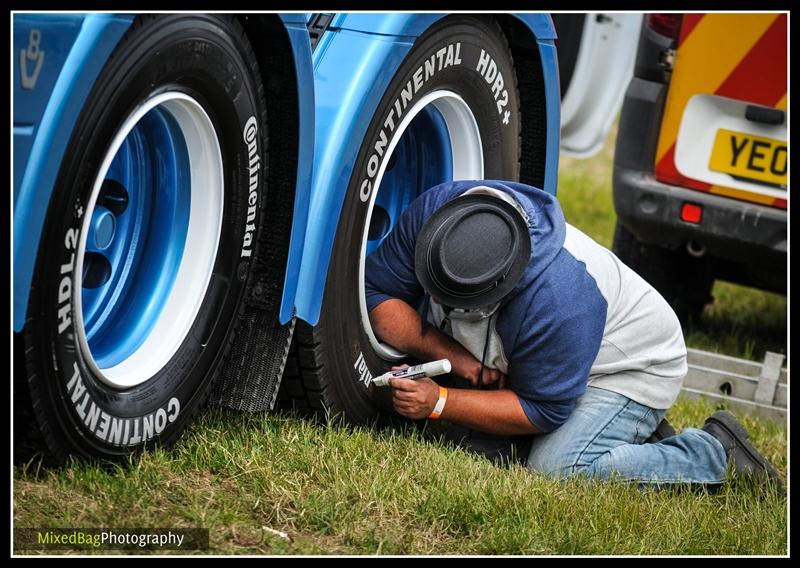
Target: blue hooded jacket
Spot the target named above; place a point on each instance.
(551, 324)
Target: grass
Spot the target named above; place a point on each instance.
(364, 491)
(742, 322)
(338, 491)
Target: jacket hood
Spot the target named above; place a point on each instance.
(546, 223)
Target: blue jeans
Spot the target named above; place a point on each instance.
(604, 437)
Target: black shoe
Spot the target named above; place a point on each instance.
(663, 430)
(745, 458)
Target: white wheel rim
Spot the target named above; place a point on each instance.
(182, 305)
(467, 153)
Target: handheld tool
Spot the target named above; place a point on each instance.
(431, 369)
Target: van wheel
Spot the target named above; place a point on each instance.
(683, 281)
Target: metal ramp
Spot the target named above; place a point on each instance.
(759, 389)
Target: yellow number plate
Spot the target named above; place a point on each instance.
(751, 157)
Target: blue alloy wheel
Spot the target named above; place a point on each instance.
(149, 239)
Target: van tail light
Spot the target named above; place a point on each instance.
(668, 25)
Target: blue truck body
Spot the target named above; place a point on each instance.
(339, 85)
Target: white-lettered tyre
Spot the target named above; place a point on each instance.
(451, 112)
(148, 242)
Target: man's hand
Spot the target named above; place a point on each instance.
(414, 398)
(468, 367)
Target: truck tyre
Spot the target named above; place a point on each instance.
(683, 281)
(147, 246)
(452, 111)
